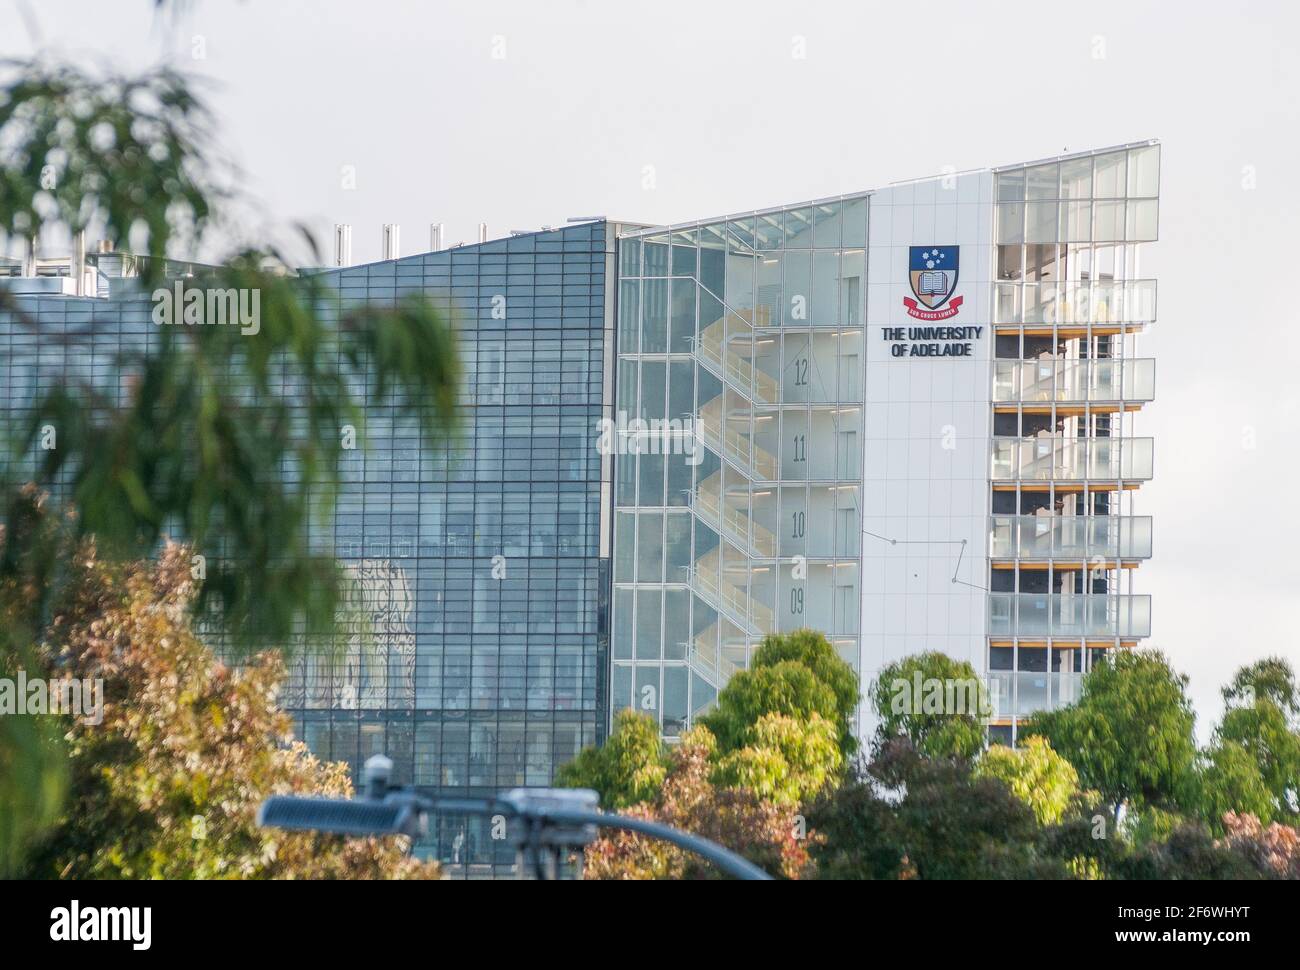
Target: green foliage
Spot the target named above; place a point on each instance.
(1009, 814)
(904, 697)
(1261, 713)
(940, 822)
(1156, 844)
(776, 738)
(167, 783)
(627, 769)
(241, 468)
(192, 450)
(33, 761)
(856, 832)
(783, 760)
(1130, 735)
(1189, 851)
(1228, 780)
(763, 832)
(1270, 680)
(33, 781)
(128, 154)
(1085, 842)
(1035, 774)
(798, 675)
(787, 688)
(909, 817)
(818, 654)
(1145, 826)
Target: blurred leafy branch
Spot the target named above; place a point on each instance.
(234, 442)
(121, 153)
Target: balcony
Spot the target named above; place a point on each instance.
(1070, 536)
(1069, 615)
(1059, 459)
(1019, 694)
(1074, 381)
(1099, 303)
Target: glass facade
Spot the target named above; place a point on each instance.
(480, 660)
(738, 472)
(480, 564)
(730, 358)
(1070, 302)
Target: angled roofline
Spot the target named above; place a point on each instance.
(696, 223)
(1083, 154)
(447, 250)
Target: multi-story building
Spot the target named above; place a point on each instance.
(913, 415)
(749, 332)
(1069, 303)
(481, 568)
(904, 417)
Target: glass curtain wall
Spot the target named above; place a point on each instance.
(475, 651)
(738, 474)
(479, 564)
(1070, 300)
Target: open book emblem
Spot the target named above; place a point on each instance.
(932, 271)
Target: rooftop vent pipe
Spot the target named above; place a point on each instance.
(342, 245)
(392, 240)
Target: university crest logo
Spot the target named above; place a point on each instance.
(932, 271)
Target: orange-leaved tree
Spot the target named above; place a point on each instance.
(167, 784)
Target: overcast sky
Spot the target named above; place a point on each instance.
(520, 114)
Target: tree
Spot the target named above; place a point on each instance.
(776, 738)
(1129, 736)
(167, 777)
(818, 654)
(1262, 706)
(906, 816)
(856, 832)
(767, 834)
(1228, 781)
(787, 687)
(1274, 851)
(33, 763)
(33, 784)
(244, 469)
(784, 761)
(937, 703)
(796, 674)
(1189, 852)
(1035, 774)
(627, 769)
(1166, 847)
(1148, 825)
